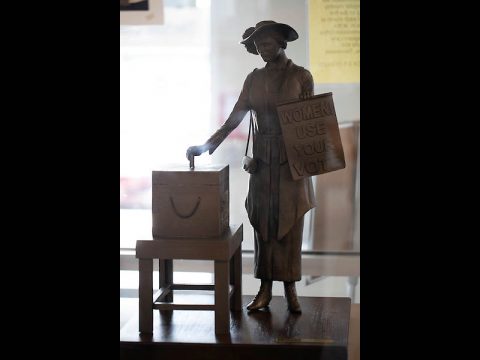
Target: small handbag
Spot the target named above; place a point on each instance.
(249, 164)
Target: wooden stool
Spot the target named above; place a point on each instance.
(225, 250)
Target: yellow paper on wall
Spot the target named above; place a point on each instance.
(334, 40)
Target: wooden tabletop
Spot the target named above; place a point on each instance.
(326, 326)
(129, 309)
(213, 248)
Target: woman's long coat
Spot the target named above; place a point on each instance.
(275, 202)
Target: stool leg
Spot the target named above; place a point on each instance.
(236, 279)
(145, 295)
(222, 298)
(165, 276)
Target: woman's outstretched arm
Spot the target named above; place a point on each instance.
(236, 116)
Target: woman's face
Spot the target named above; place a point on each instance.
(268, 47)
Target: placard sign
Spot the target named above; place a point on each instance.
(311, 136)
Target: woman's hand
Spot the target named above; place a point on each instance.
(306, 95)
(196, 150)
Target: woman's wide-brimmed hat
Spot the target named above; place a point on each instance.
(251, 33)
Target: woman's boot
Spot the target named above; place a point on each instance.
(263, 297)
(291, 295)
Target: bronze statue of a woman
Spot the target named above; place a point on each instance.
(275, 202)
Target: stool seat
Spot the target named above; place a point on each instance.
(226, 253)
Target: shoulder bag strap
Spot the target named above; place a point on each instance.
(250, 127)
